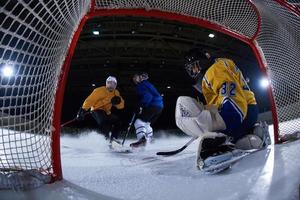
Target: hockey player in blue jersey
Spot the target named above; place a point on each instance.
(231, 110)
(149, 108)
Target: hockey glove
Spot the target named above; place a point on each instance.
(81, 114)
(115, 100)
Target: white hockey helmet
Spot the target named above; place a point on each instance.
(111, 83)
(111, 79)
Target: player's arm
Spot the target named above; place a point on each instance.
(97, 96)
(121, 103)
(249, 95)
(144, 95)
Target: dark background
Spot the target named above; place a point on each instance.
(128, 44)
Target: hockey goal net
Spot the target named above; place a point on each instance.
(38, 39)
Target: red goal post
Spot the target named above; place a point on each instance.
(39, 38)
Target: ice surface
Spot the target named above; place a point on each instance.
(92, 171)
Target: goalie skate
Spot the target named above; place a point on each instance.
(219, 163)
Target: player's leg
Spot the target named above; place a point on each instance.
(193, 119)
(101, 118)
(233, 119)
(116, 126)
(150, 116)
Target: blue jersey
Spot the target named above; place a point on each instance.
(148, 95)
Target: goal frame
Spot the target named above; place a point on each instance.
(79, 12)
(59, 96)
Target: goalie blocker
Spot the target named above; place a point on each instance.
(205, 122)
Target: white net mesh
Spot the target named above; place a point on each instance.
(228, 13)
(295, 4)
(34, 39)
(279, 39)
(35, 36)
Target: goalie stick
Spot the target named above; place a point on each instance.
(170, 153)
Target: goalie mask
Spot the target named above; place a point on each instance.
(196, 63)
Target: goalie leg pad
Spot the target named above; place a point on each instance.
(188, 107)
(259, 138)
(193, 120)
(249, 142)
(218, 123)
(211, 144)
(261, 129)
(188, 110)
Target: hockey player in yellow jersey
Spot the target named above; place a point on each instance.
(230, 111)
(223, 85)
(100, 103)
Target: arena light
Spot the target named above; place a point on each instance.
(264, 83)
(96, 32)
(7, 70)
(169, 87)
(211, 35)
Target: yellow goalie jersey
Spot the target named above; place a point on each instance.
(224, 82)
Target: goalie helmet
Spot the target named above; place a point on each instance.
(196, 63)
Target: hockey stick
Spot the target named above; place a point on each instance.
(129, 127)
(170, 153)
(68, 122)
(72, 120)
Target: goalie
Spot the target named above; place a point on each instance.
(231, 110)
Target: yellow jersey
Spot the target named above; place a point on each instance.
(223, 81)
(100, 99)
